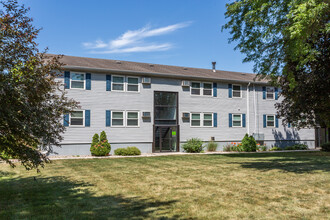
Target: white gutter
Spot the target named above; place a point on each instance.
(248, 108)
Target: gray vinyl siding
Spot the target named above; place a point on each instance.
(98, 100)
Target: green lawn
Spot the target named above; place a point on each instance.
(249, 186)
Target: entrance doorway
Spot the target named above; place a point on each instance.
(166, 128)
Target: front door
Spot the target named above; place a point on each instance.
(166, 128)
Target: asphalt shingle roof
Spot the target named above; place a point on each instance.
(73, 62)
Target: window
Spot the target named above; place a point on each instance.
(237, 120)
(77, 80)
(208, 120)
(195, 88)
(270, 120)
(270, 92)
(77, 118)
(195, 119)
(132, 119)
(207, 89)
(132, 84)
(201, 120)
(117, 118)
(236, 91)
(118, 83)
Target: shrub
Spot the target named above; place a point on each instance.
(262, 148)
(212, 146)
(326, 147)
(128, 151)
(95, 140)
(193, 145)
(297, 147)
(100, 147)
(249, 144)
(227, 148)
(275, 149)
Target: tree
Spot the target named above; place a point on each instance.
(288, 40)
(32, 103)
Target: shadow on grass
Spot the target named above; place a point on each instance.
(296, 162)
(59, 198)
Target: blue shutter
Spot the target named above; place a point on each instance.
(215, 89)
(88, 81)
(87, 118)
(264, 92)
(107, 118)
(289, 125)
(230, 90)
(66, 120)
(265, 122)
(276, 122)
(276, 93)
(230, 120)
(67, 79)
(244, 122)
(215, 119)
(108, 82)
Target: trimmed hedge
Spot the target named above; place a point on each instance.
(297, 147)
(326, 147)
(128, 151)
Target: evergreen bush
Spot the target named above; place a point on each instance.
(100, 147)
(249, 144)
(326, 147)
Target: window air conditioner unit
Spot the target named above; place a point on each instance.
(185, 115)
(146, 114)
(185, 83)
(146, 80)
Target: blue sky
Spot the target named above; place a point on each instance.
(178, 32)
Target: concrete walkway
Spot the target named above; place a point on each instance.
(171, 154)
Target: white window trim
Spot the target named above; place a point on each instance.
(77, 126)
(125, 117)
(232, 121)
(240, 91)
(267, 121)
(126, 83)
(71, 74)
(112, 118)
(201, 119)
(117, 83)
(201, 88)
(273, 93)
(211, 120)
(138, 119)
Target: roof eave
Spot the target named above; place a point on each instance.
(164, 75)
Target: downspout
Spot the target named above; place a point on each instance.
(248, 109)
(255, 109)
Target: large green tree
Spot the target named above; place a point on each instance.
(31, 101)
(288, 41)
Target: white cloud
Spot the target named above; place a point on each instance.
(134, 41)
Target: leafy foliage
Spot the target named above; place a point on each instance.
(193, 145)
(100, 147)
(96, 139)
(32, 103)
(128, 151)
(297, 147)
(249, 144)
(212, 146)
(275, 149)
(288, 40)
(326, 147)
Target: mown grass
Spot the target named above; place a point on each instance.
(248, 186)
